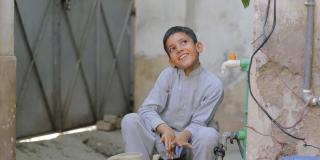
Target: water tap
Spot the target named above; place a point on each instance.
(232, 62)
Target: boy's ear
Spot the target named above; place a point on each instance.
(199, 47)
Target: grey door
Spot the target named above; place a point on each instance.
(74, 62)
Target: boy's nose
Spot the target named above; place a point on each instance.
(179, 49)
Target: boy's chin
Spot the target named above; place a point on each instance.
(184, 67)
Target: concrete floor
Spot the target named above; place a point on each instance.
(93, 145)
(232, 152)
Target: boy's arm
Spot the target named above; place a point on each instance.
(205, 112)
(155, 102)
(154, 105)
(151, 115)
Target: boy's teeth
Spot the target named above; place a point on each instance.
(183, 56)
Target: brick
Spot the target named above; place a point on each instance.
(110, 118)
(105, 126)
(118, 123)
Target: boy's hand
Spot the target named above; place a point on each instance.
(182, 139)
(167, 137)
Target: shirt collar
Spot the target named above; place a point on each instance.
(195, 72)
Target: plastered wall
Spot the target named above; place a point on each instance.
(278, 82)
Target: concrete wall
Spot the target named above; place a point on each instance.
(223, 26)
(278, 84)
(7, 81)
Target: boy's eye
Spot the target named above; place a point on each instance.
(184, 42)
(171, 49)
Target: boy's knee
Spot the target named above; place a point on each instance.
(208, 137)
(130, 120)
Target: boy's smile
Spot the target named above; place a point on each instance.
(183, 52)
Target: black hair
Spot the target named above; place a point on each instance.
(175, 29)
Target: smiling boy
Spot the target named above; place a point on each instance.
(178, 109)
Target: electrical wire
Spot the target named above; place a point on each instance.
(264, 24)
(303, 114)
(266, 135)
(309, 145)
(249, 73)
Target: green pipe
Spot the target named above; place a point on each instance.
(245, 64)
(242, 135)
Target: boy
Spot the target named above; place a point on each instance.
(178, 109)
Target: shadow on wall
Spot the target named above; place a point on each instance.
(147, 70)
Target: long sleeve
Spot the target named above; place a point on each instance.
(156, 100)
(204, 113)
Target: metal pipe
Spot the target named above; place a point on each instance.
(230, 136)
(308, 45)
(240, 149)
(307, 93)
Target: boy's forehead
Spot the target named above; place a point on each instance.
(179, 35)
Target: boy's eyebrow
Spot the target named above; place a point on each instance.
(181, 39)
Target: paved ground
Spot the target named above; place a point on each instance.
(92, 145)
(232, 153)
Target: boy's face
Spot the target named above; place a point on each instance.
(183, 52)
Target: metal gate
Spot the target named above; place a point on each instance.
(74, 62)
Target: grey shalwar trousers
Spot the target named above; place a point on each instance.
(139, 137)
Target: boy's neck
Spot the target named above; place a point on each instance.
(188, 71)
